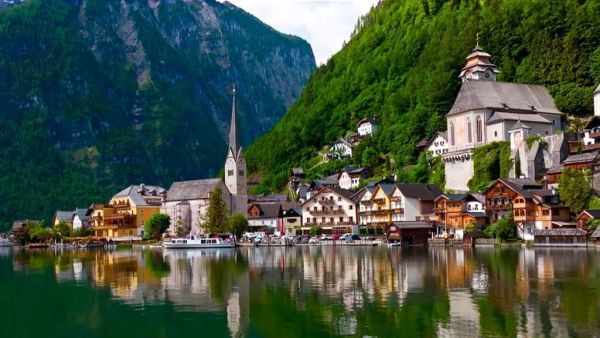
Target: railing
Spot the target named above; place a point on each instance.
(327, 202)
(326, 212)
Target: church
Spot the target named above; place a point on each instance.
(186, 202)
(486, 110)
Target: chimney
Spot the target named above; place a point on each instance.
(597, 101)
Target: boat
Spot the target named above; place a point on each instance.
(37, 245)
(394, 244)
(5, 242)
(197, 242)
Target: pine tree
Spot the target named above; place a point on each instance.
(215, 220)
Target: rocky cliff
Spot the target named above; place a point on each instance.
(97, 94)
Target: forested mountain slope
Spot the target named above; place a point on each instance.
(401, 65)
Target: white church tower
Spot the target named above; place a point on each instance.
(235, 167)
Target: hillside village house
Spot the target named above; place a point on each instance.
(80, 219)
(584, 161)
(292, 220)
(350, 178)
(341, 149)
(592, 129)
(454, 212)
(533, 207)
(585, 216)
(385, 203)
(367, 126)
(63, 216)
(187, 202)
(486, 111)
(127, 212)
(332, 209)
(265, 217)
(438, 145)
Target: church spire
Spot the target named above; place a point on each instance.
(479, 65)
(233, 135)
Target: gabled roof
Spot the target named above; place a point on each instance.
(82, 214)
(367, 120)
(560, 232)
(591, 213)
(388, 188)
(66, 216)
(581, 158)
(596, 233)
(475, 94)
(518, 185)
(192, 190)
(267, 210)
(403, 225)
(592, 123)
(347, 194)
(498, 116)
(137, 193)
(443, 135)
(423, 192)
(277, 198)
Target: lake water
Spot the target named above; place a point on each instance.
(301, 292)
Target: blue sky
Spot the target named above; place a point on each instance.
(325, 24)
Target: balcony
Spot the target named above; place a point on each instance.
(326, 212)
(327, 202)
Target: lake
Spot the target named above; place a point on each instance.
(301, 292)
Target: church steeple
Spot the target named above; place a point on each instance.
(233, 135)
(479, 66)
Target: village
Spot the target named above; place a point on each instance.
(349, 205)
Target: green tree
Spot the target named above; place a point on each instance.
(592, 224)
(156, 226)
(574, 189)
(503, 229)
(83, 232)
(316, 231)
(370, 159)
(437, 174)
(594, 203)
(237, 224)
(62, 230)
(215, 220)
(420, 172)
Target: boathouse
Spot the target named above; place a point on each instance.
(409, 232)
(560, 237)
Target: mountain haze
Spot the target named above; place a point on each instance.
(100, 94)
(401, 65)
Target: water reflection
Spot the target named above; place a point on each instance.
(332, 291)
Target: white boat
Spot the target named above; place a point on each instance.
(394, 244)
(5, 242)
(194, 242)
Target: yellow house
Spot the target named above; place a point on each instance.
(380, 205)
(127, 212)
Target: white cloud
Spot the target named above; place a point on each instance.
(325, 24)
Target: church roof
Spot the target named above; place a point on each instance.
(522, 117)
(234, 145)
(512, 97)
(192, 190)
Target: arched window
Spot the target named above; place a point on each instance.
(452, 133)
(469, 131)
(479, 126)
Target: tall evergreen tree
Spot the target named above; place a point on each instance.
(215, 219)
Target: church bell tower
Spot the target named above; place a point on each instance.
(479, 66)
(235, 167)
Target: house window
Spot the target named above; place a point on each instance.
(241, 173)
(341, 219)
(479, 127)
(452, 141)
(322, 219)
(339, 207)
(331, 220)
(229, 172)
(351, 219)
(350, 207)
(339, 199)
(469, 131)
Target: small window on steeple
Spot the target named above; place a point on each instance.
(230, 173)
(241, 173)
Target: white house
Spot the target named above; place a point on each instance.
(341, 149)
(332, 209)
(417, 200)
(80, 219)
(350, 178)
(265, 217)
(592, 129)
(438, 145)
(367, 126)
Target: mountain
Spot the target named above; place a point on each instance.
(402, 63)
(100, 94)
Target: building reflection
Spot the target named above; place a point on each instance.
(353, 291)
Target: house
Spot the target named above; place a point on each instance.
(63, 216)
(81, 219)
(409, 232)
(187, 202)
(533, 207)
(332, 209)
(596, 236)
(417, 201)
(127, 212)
(341, 149)
(292, 219)
(568, 237)
(350, 178)
(454, 212)
(380, 205)
(585, 216)
(298, 173)
(486, 111)
(499, 195)
(265, 217)
(273, 199)
(438, 145)
(592, 129)
(584, 161)
(19, 225)
(367, 126)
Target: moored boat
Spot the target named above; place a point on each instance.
(196, 242)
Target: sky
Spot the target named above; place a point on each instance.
(325, 24)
